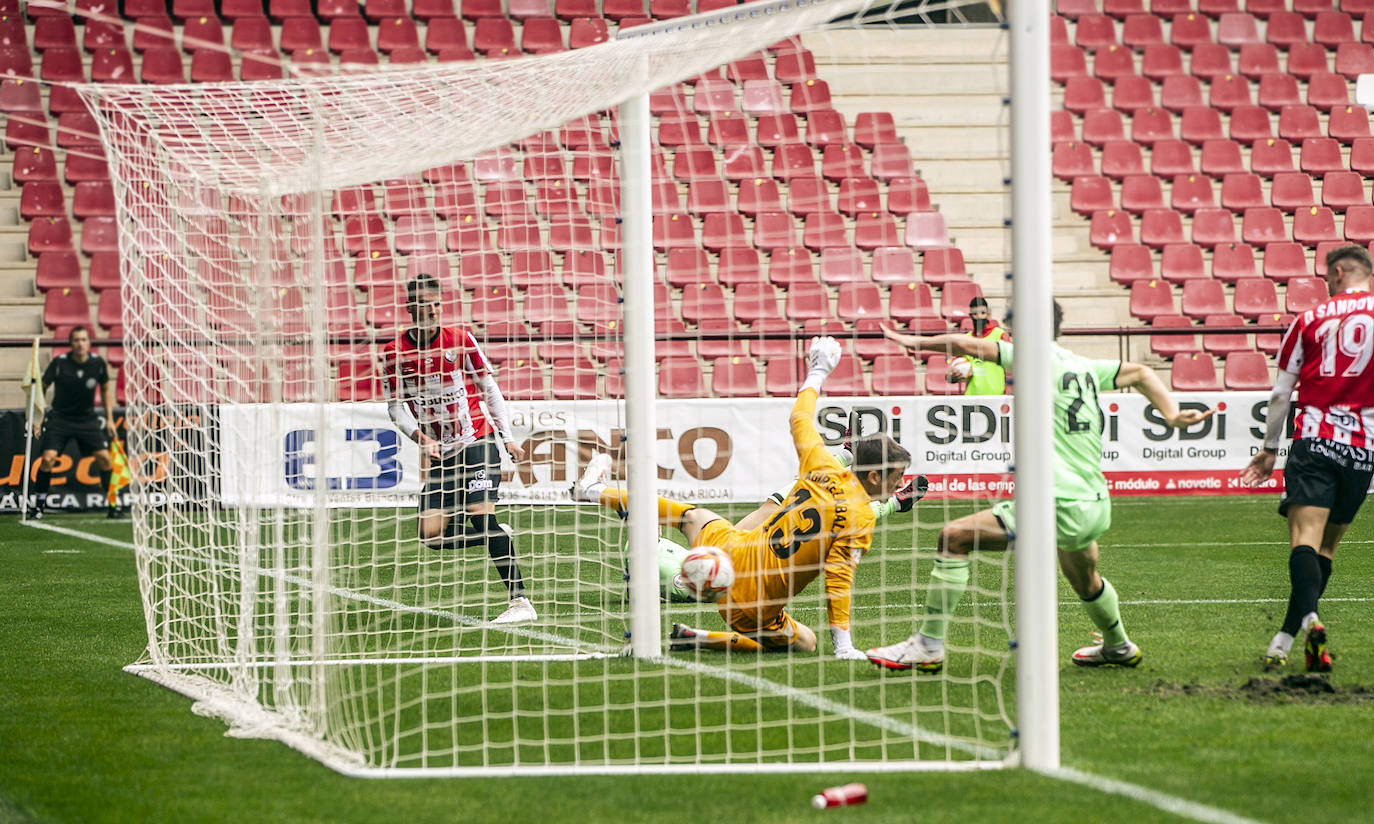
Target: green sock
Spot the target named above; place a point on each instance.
(1102, 608)
(948, 581)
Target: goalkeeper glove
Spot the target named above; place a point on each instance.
(844, 645)
(821, 359)
(908, 495)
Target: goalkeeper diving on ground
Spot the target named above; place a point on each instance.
(823, 525)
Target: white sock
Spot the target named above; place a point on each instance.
(930, 644)
(1308, 620)
(1282, 642)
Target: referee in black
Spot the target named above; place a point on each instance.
(72, 415)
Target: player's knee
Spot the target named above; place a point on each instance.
(955, 540)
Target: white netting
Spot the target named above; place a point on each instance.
(267, 232)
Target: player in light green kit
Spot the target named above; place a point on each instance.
(1083, 510)
(671, 553)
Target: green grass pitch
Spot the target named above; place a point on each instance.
(1202, 581)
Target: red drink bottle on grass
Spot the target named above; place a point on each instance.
(845, 796)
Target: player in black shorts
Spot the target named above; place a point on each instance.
(72, 415)
(1325, 355)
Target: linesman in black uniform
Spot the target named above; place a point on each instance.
(72, 415)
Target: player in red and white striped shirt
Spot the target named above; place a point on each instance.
(1327, 355)
(432, 375)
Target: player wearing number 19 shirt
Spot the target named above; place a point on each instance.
(1326, 354)
(824, 525)
(431, 375)
(1082, 507)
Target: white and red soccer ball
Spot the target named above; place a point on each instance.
(707, 573)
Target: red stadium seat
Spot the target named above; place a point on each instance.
(1314, 225)
(912, 303)
(1221, 343)
(894, 375)
(1071, 160)
(1359, 224)
(1297, 123)
(1268, 342)
(1151, 298)
(1237, 29)
(822, 229)
(872, 128)
(1159, 62)
(1220, 158)
(1321, 155)
(1327, 91)
(1229, 91)
(1213, 227)
(738, 265)
(1343, 190)
(1353, 60)
(1331, 29)
(58, 270)
(1140, 193)
(1181, 263)
(1279, 90)
(1180, 92)
(735, 377)
(1150, 125)
(842, 264)
(1199, 124)
(64, 308)
(1303, 293)
(1113, 62)
(1255, 297)
(1203, 297)
(1250, 124)
(34, 164)
(1247, 371)
(927, 230)
(1191, 192)
(1168, 346)
(1130, 262)
(54, 234)
(1306, 59)
(756, 302)
(1285, 29)
(1258, 59)
(1292, 191)
(1242, 191)
(1110, 227)
(898, 265)
(1121, 158)
(1348, 124)
(1194, 373)
(1271, 157)
(42, 199)
(1285, 260)
(1160, 227)
(859, 301)
(1084, 93)
(1090, 193)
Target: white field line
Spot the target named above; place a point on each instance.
(1163, 801)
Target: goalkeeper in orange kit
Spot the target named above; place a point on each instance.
(825, 524)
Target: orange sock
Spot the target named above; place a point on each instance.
(728, 642)
(669, 512)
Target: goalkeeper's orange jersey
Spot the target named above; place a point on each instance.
(826, 523)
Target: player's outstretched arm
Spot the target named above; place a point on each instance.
(821, 359)
(965, 345)
(1144, 380)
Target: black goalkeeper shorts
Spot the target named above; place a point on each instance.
(1326, 474)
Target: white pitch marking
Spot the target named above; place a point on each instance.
(61, 552)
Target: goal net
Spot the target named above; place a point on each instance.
(268, 231)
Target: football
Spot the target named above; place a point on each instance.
(959, 370)
(707, 573)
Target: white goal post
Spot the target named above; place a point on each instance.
(305, 610)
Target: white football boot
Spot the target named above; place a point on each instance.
(1100, 655)
(597, 471)
(908, 654)
(520, 611)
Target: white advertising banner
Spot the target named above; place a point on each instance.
(724, 450)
